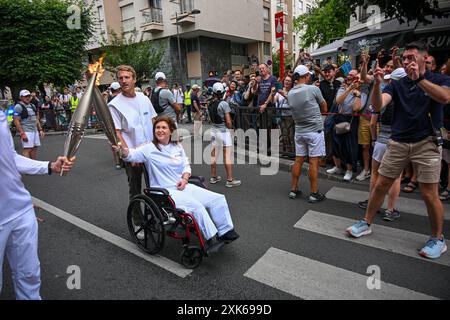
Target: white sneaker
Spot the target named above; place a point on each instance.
(363, 175)
(233, 183)
(348, 175)
(214, 180)
(334, 170)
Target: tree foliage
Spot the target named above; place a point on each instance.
(288, 60)
(38, 47)
(143, 56)
(329, 19)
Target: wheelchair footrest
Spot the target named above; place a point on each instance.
(215, 247)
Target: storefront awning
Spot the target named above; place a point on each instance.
(389, 33)
(333, 47)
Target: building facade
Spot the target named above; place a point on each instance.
(213, 35)
(291, 9)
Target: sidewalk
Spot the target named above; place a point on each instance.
(284, 164)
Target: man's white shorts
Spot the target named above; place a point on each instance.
(310, 144)
(378, 151)
(219, 138)
(33, 140)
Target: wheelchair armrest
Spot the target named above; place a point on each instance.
(198, 181)
(160, 191)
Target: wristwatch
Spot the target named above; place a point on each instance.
(420, 78)
(49, 168)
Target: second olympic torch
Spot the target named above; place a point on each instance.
(105, 118)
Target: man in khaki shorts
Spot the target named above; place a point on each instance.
(419, 98)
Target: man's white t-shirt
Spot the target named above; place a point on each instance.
(15, 200)
(133, 117)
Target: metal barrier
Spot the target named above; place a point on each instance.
(246, 118)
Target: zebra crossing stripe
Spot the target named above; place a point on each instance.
(402, 204)
(310, 279)
(384, 238)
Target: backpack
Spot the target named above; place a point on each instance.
(155, 101)
(24, 113)
(213, 110)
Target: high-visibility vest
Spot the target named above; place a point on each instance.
(187, 98)
(74, 103)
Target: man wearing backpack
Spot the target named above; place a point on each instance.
(163, 99)
(26, 120)
(219, 112)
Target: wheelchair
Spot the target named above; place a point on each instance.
(153, 216)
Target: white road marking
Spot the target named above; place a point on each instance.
(310, 279)
(413, 206)
(129, 246)
(385, 238)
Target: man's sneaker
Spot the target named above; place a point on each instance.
(363, 175)
(363, 204)
(229, 236)
(391, 215)
(335, 170)
(294, 193)
(233, 183)
(433, 248)
(316, 197)
(348, 175)
(214, 180)
(359, 229)
(118, 167)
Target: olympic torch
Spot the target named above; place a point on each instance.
(79, 122)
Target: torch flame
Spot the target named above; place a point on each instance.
(97, 68)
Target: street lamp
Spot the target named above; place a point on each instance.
(177, 19)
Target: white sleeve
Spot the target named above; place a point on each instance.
(140, 154)
(186, 164)
(116, 116)
(28, 166)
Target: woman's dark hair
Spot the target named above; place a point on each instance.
(172, 128)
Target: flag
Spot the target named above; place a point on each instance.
(346, 68)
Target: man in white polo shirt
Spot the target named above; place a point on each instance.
(18, 226)
(133, 115)
(307, 103)
(26, 120)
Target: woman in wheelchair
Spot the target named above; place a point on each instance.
(169, 169)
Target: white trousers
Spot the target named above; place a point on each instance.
(196, 200)
(19, 241)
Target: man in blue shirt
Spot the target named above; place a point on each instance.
(418, 115)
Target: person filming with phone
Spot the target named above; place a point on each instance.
(416, 137)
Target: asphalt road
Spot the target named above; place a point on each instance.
(265, 218)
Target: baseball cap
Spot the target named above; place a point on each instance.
(328, 67)
(397, 74)
(160, 75)
(195, 86)
(24, 93)
(114, 86)
(302, 70)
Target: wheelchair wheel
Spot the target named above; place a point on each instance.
(191, 257)
(145, 224)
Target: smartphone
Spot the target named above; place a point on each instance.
(374, 63)
(257, 73)
(278, 86)
(400, 52)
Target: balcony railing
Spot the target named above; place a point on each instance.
(152, 20)
(152, 15)
(186, 6)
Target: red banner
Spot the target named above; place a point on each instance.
(279, 26)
